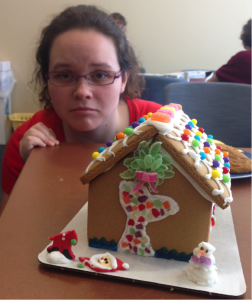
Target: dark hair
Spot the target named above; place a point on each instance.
(85, 17)
(246, 34)
(118, 16)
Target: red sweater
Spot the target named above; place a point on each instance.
(237, 69)
(12, 161)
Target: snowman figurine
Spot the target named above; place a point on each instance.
(201, 268)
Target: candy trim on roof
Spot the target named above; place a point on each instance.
(170, 118)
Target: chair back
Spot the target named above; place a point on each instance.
(154, 86)
(221, 109)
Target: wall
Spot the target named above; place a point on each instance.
(168, 35)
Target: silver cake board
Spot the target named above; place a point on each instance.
(163, 272)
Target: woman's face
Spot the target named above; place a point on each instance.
(82, 106)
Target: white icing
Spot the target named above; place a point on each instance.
(56, 257)
(134, 215)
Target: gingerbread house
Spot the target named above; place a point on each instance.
(153, 191)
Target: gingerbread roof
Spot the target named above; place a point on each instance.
(191, 150)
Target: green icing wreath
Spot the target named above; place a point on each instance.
(148, 160)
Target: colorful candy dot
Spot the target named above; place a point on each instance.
(188, 126)
(191, 123)
(80, 266)
(194, 121)
(197, 137)
(227, 165)
(217, 151)
(145, 117)
(210, 136)
(206, 144)
(225, 154)
(115, 139)
(225, 170)
(128, 131)
(219, 147)
(131, 127)
(210, 141)
(217, 157)
(206, 150)
(95, 155)
(185, 137)
(141, 120)
(101, 149)
(149, 114)
(215, 174)
(199, 133)
(202, 155)
(226, 159)
(135, 124)
(216, 164)
(120, 136)
(187, 131)
(226, 178)
(201, 130)
(195, 143)
(161, 117)
(109, 143)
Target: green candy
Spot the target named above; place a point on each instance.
(73, 242)
(132, 230)
(128, 131)
(157, 203)
(115, 139)
(141, 251)
(226, 178)
(127, 188)
(195, 143)
(135, 201)
(80, 265)
(210, 141)
(217, 157)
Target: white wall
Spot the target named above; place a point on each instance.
(168, 35)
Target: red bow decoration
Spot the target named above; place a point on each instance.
(145, 177)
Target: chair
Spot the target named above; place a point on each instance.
(154, 86)
(221, 109)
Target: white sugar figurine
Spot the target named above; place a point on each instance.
(201, 265)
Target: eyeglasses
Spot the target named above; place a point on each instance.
(95, 78)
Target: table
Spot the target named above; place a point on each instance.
(47, 195)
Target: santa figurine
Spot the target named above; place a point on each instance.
(104, 263)
(201, 268)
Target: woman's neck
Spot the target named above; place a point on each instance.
(105, 132)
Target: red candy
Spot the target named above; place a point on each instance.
(201, 130)
(219, 147)
(225, 170)
(185, 137)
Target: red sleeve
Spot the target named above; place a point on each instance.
(237, 69)
(12, 161)
(139, 108)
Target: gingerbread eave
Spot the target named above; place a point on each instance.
(169, 145)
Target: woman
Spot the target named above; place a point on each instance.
(238, 68)
(89, 82)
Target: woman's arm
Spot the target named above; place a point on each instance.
(213, 79)
(4, 200)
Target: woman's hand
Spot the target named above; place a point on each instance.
(38, 135)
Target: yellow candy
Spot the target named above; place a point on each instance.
(149, 115)
(95, 155)
(198, 133)
(194, 121)
(169, 108)
(215, 174)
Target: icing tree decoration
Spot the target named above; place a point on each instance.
(201, 268)
(104, 263)
(148, 165)
(141, 208)
(63, 243)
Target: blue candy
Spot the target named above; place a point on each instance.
(197, 137)
(202, 155)
(210, 136)
(141, 120)
(101, 149)
(191, 123)
(227, 165)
